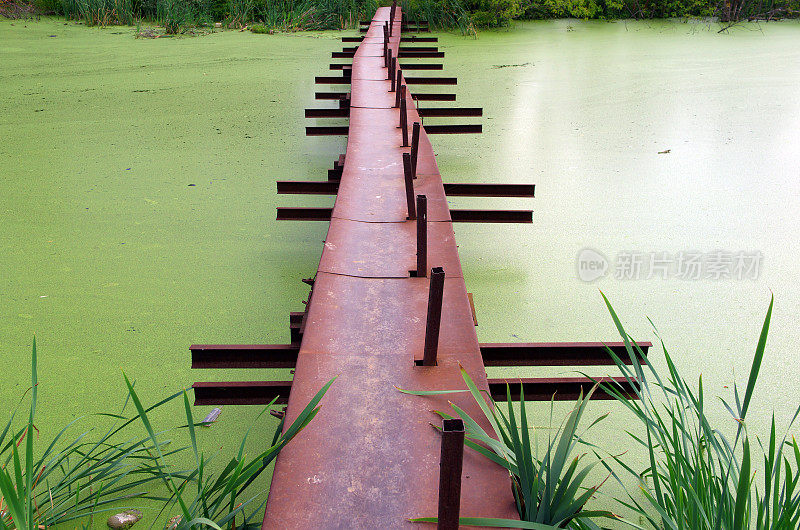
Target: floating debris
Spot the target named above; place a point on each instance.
(124, 520)
(211, 417)
(173, 522)
(664, 152)
(511, 65)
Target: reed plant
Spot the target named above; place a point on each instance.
(701, 475)
(75, 481)
(240, 12)
(205, 499)
(440, 14)
(72, 479)
(175, 15)
(548, 487)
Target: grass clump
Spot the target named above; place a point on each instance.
(548, 488)
(697, 477)
(74, 481)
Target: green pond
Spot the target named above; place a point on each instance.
(137, 202)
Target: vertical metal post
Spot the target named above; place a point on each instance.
(404, 121)
(412, 214)
(399, 86)
(414, 148)
(393, 73)
(386, 45)
(392, 11)
(450, 465)
(389, 71)
(422, 235)
(435, 295)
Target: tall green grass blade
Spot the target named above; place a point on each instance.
(757, 359)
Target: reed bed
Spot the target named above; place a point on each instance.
(78, 480)
(701, 475)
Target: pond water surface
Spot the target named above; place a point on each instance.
(137, 204)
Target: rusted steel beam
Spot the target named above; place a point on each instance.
(296, 332)
(414, 38)
(286, 213)
(555, 353)
(342, 55)
(349, 48)
(332, 80)
(244, 355)
(451, 464)
(368, 22)
(489, 190)
(454, 129)
(353, 39)
(419, 55)
(447, 112)
(327, 113)
(340, 66)
(451, 189)
(558, 388)
(422, 66)
(303, 214)
(324, 187)
(432, 97)
(491, 216)
(422, 236)
(241, 392)
(433, 323)
(419, 49)
(432, 80)
(327, 131)
(330, 95)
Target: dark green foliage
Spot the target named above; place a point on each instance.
(615, 9)
(438, 13)
(494, 13)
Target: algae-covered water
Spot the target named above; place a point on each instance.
(137, 200)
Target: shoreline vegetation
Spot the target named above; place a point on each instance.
(464, 16)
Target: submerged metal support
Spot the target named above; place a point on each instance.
(422, 234)
(414, 148)
(450, 465)
(435, 294)
(412, 214)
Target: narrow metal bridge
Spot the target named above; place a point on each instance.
(387, 308)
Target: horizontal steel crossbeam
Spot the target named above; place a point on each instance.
(555, 353)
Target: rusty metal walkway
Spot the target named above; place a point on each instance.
(388, 308)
